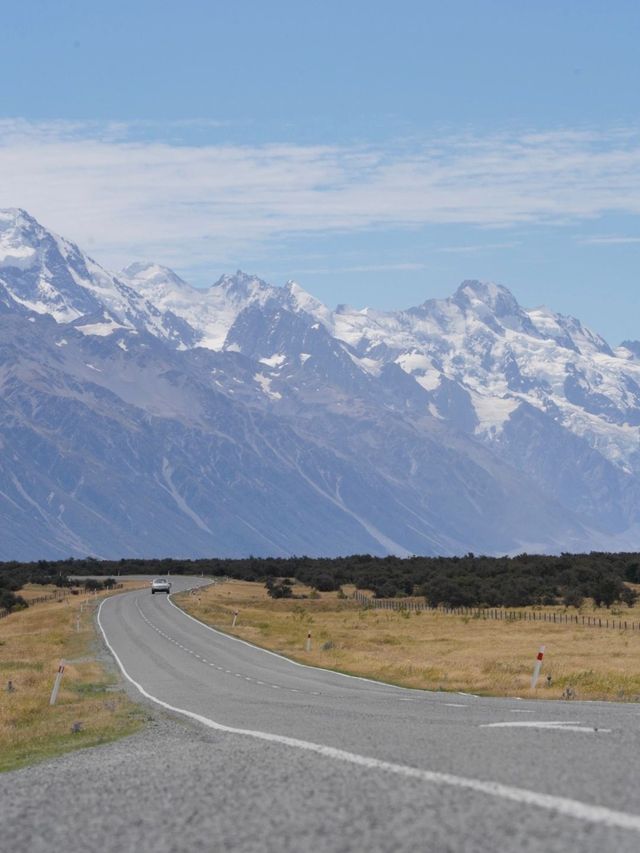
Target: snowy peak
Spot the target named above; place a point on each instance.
(567, 332)
(148, 275)
(493, 304)
(19, 239)
(500, 301)
(632, 349)
(47, 274)
(298, 299)
(241, 286)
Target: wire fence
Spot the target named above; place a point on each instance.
(497, 613)
(58, 595)
(42, 599)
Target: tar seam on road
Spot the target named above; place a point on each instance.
(560, 805)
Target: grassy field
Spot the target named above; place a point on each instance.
(32, 591)
(32, 643)
(431, 651)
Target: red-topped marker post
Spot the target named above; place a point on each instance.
(537, 667)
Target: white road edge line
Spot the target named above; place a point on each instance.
(275, 654)
(547, 725)
(560, 805)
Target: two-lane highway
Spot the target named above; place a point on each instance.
(566, 765)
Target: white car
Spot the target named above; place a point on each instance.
(160, 585)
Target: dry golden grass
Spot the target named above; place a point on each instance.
(32, 643)
(36, 590)
(427, 650)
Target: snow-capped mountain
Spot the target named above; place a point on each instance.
(140, 415)
(46, 274)
(502, 356)
(498, 354)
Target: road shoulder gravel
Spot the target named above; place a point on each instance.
(176, 786)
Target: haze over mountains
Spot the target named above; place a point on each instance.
(140, 416)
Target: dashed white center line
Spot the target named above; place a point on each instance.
(219, 668)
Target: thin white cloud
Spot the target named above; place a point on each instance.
(609, 240)
(479, 247)
(364, 268)
(123, 197)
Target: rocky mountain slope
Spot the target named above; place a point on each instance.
(141, 416)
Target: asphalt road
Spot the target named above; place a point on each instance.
(279, 756)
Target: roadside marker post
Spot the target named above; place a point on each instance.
(537, 667)
(309, 641)
(235, 618)
(56, 684)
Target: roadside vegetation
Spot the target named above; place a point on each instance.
(91, 707)
(429, 650)
(469, 581)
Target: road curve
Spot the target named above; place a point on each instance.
(570, 765)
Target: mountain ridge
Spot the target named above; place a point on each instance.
(274, 424)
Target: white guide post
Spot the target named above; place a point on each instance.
(537, 667)
(235, 618)
(56, 684)
(309, 641)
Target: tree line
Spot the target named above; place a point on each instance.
(14, 576)
(465, 581)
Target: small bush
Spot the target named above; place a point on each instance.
(10, 601)
(572, 598)
(279, 589)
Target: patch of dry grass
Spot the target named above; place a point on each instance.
(32, 591)
(430, 650)
(32, 643)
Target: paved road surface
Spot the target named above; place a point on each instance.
(278, 756)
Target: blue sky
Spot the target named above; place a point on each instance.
(378, 153)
